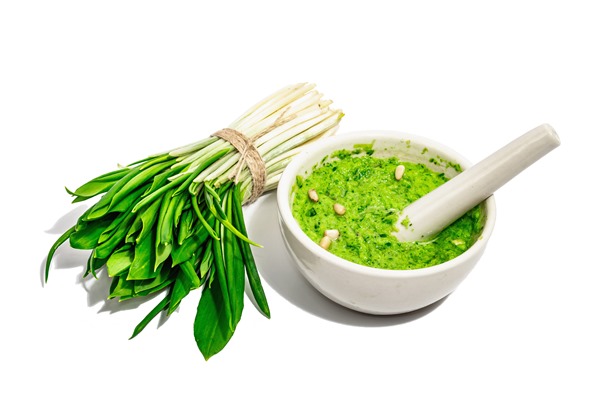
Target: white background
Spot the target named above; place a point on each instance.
(87, 85)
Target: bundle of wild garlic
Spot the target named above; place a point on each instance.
(173, 222)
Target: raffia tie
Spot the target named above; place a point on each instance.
(249, 155)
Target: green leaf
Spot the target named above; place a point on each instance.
(86, 234)
(134, 229)
(126, 204)
(251, 270)
(186, 281)
(234, 267)
(222, 278)
(147, 220)
(164, 228)
(142, 266)
(206, 264)
(150, 197)
(121, 287)
(147, 286)
(93, 265)
(103, 205)
(111, 229)
(192, 175)
(213, 200)
(190, 246)
(211, 325)
(139, 179)
(254, 279)
(204, 222)
(105, 249)
(183, 204)
(185, 226)
(159, 180)
(150, 161)
(164, 303)
(63, 238)
(163, 251)
(158, 287)
(120, 226)
(219, 213)
(120, 260)
(98, 185)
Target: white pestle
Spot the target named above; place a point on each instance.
(427, 216)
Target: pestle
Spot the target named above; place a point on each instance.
(430, 214)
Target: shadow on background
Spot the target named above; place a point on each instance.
(275, 265)
(98, 287)
(278, 269)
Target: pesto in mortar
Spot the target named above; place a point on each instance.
(366, 186)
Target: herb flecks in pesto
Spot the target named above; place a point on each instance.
(373, 200)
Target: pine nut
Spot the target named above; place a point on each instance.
(339, 209)
(312, 194)
(325, 242)
(332, 234)
(399, 172)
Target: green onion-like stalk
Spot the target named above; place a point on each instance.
(173, 222)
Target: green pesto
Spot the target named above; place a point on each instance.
(374, 199)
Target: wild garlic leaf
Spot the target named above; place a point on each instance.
(142, 266)
(99, 209)
(94, 263)
(120, 260)
(121, 287)
(63, 238)
(164, 229)
(249, 263)
(98, 185)
(86, 235)
(185, 226)
(211, 325)
(187, 250)
(147, 219)
(105, 249)
(145, 286)
(139, 180)
(186, 281)
(157, 285)
(206, 264)
(171, 221)
(234, 268)
(221, 276)
(163, 304)
(126, 204)
(159, 181)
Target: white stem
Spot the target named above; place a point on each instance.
(284, 110)
(301, 116)
(191, 148)
(305, 133)
(272, 105)
(261, 104)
